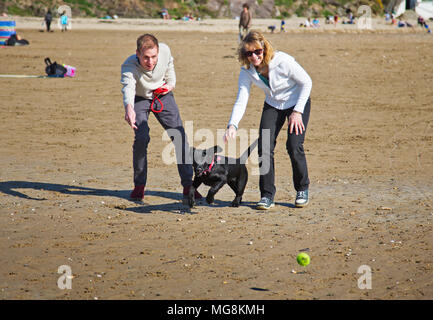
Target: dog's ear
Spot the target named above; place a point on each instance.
(217, 149)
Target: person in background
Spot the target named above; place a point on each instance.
(64, 21)
(306, 24)
(393, 18)
(245, 21)
(423, 24)
(16, 40)
(165, 14)
(287, 87)
(48, 19)
(351, 18)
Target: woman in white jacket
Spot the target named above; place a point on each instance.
(287, 88)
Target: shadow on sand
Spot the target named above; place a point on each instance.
(14, 188)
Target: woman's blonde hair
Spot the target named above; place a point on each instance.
(255, 38)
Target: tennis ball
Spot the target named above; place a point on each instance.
(303, 259)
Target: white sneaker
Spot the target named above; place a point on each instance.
(265, 204)
(301, 198)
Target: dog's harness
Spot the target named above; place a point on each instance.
(208, 170)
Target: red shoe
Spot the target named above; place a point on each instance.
(137, 193)
(197, 194)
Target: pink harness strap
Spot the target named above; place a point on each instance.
(208, 170)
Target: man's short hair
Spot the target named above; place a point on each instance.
(245, 5)
(147, 41)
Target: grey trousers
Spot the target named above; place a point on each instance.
(170, 120)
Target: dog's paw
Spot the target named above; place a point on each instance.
(191, 202)
(235, 204)
(210, 199)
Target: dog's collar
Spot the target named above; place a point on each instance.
(208, 170)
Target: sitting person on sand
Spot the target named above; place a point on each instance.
(422, 23)
(16, 40)
(402, 24)
(306, 24)
(165, 14)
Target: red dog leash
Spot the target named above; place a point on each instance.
(156, 93)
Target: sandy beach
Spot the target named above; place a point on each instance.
(66, 173)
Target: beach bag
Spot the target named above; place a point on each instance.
(53, 69)
(70, 71)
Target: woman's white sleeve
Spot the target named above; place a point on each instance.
(299, 75)
(244, 85)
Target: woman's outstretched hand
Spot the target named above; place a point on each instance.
(230, 133)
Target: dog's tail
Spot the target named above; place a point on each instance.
(247, 152)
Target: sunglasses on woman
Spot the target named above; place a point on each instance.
(257, 52)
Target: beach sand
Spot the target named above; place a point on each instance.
(67, 173)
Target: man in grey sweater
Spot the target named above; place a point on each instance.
(149, 69)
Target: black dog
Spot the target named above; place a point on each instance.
(215, 171)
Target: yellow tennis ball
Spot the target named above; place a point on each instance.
(303, 259)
